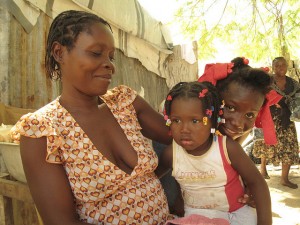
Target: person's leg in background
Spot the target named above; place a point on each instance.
(285, 177)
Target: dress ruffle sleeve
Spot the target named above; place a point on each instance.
(119, 100)
(37, 125)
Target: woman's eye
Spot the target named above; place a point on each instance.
(230, 108)
(250, 115)
(112, 59)
(96, 53)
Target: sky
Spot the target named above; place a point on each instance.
(163, 10)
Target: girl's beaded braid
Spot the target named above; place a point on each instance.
(205, 92)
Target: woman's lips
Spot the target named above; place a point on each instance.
(106, 77)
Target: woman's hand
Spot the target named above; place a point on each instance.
(178, 207)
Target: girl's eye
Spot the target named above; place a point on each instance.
(112, 58)
(195, 121)
(250, 115)
(175, 121)
(230, 108)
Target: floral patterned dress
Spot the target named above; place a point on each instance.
(104, 194)
(287, 149)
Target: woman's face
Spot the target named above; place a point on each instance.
(280, 67)
(242, 106)
(88, 67)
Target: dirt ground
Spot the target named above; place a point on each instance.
(285, 201)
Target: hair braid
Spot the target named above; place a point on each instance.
(65, 29)
(192, 90)
(255, 79)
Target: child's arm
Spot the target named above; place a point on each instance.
(256, 183)
(165, 162)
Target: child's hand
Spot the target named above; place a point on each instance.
(247, 199)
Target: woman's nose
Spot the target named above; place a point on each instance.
(108, 64)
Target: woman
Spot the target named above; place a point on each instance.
(84, 154)
(287, 150)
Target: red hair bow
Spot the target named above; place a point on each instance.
(203, 93)
(216, 71)
(266, 69)
(264, 118)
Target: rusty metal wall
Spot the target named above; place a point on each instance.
(28, 87)
(23, 82)
(131, 72)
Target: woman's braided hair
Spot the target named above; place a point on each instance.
(65, 29)
(192, 90)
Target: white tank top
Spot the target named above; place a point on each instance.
(208, 181)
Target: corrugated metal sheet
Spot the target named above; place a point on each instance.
(28, 85)
(24, 83)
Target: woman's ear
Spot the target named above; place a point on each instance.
(57, 52)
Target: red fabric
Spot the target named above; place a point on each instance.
(234, 186)
(214, 72)
(194, 219)
(264, 119)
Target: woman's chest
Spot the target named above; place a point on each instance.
(110, 138)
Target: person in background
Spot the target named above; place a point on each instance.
(287, 150)
(210, 167)
(85, 155)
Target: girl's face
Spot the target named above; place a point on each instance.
(280, 67)
(88, 67)
(242, 106)
(187, 125)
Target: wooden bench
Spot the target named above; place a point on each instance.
(16, 204)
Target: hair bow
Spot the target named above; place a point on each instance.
(264, 118)
(216, 71)
(203, 93)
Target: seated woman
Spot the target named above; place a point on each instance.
(85, 155)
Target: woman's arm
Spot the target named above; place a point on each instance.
(165, 162)
(256, 183)
(48, 184)
(152, 123)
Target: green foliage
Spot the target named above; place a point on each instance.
(258, 29)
